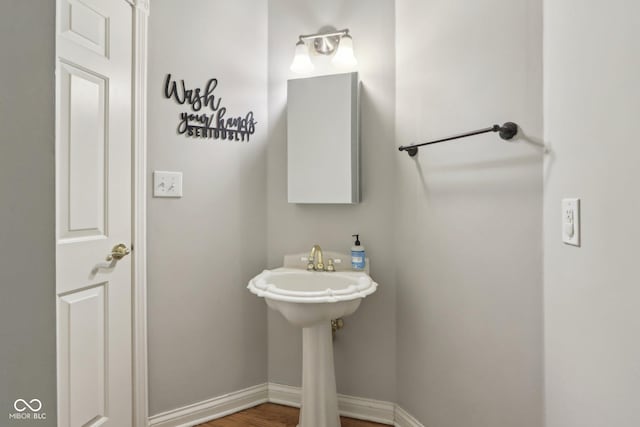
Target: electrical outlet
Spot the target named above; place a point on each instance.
(571, 221)
(167, 184)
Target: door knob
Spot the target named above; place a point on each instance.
(118, 252)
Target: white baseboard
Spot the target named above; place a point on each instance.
(349, 406)
(211, 409)
(221, 406)
(404, 419)
(284, 395)
(366, 409)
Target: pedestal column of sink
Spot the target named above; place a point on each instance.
(319, 396)
(309, 299)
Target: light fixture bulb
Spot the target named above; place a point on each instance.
(301, 61)
(344, 57)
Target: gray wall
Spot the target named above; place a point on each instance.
(365, 349)
(207, 333)
(591, 316)
(469, 249)
(455, 234)
(27, 264)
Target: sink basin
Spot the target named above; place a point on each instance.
(305, 298)
(310, 299)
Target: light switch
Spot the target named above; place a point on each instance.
(167, 184)
(571, 221)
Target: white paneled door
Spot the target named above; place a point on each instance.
(93, 212)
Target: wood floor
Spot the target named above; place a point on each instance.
(271, 415)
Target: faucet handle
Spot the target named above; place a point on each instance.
(330, 266)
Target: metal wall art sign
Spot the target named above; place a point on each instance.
(207, 117)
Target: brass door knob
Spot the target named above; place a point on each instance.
(118, 252)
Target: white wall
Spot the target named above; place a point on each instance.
(27, 212)
(592, 320)
(469, 250)
(365, 349)
(207, 333)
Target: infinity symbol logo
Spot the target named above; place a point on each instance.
(21, 405)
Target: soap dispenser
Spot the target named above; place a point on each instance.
(357, 254)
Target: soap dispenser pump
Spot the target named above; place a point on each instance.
(357, 254)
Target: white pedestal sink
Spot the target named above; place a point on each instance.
(310, 300)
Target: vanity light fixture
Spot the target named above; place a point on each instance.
(337, 43)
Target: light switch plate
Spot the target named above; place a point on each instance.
(167, 184)
(571, 221)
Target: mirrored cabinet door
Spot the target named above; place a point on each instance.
(322, 139)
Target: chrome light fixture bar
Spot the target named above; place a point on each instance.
(325, 43)
(331, 42)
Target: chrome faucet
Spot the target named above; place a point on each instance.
(313, 264)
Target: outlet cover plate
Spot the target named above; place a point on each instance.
(167, 184)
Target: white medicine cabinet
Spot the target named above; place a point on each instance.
(322, 139)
